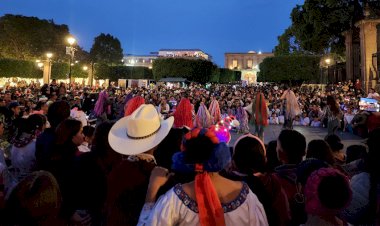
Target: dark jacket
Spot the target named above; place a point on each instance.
(44, 147)
(127, 185)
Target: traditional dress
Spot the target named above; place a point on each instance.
(214, 110)
(242, 117)
(133, 104)
(260, 111)
(183, 116)
(203, 119)
(291, 108)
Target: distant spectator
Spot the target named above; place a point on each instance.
(316, 122)
(273, 119)
(305, 120)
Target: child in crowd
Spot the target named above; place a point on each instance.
(88, 132)
(305, 120)
(273, 120)
(281, 119)
(297, 121)
(315, 122)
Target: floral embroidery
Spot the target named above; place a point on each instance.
(227, 207)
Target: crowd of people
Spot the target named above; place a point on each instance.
(162, 156)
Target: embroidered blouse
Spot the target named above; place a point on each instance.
(177, 208)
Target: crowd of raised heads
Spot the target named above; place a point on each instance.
(163, 156)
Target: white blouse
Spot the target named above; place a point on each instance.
(177, 208)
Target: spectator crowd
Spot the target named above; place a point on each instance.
(162, 156)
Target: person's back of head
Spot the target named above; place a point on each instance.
(249, 155)
(291, 146)
(355, 152)
(327, 192)
(319, 149)
(58, 112)
(88, 131)
(272, 157)
(36, 200)
(334, 142)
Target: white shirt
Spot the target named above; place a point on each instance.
(305, 121)
(79, 115)
(176, 208)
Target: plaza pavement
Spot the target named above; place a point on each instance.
(311, 133)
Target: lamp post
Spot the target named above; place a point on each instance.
(49, 56)
(327, 61)
(70, 50)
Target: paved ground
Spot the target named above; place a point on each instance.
(272, 132)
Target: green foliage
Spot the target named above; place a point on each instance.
(103, 71)
(194, 70)
(19, 68)
(287, 44)
(30, 38)
(318, 25)
(29, 69)
(290, 68)
(106, 49)
(26, 38)
(225, 75)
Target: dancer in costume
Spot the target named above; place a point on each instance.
(203, 119)
(242, 117)
(214, 110)
(291, 107)
(133, 104)
(259, 114)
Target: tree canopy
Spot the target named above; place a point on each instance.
(196, 70)
(30, 38)
(294, 67)
(26, 38)
(106, 49)
(317, 26)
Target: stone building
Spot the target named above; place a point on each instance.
(247, 63)
(363, 49)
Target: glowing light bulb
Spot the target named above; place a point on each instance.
(225, 130)
(229, 127)
(222, 121)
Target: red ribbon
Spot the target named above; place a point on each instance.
(210, 209)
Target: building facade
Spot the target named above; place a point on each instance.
(184, 53)
(247, 63)
(139, 60)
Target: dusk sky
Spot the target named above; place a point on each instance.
(144, 26)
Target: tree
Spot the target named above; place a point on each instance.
(287, 44)
(28, 38)
(290, 68)
(196, 70)
(106, 49)
(317, 25)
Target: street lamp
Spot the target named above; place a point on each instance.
(70, 50)
(327, 61)
(85, 68)
(49, 56)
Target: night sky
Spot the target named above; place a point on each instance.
(144, 26)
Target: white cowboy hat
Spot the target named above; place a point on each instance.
(139, 132)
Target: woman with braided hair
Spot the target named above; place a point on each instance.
(210, 199)
(259, 113)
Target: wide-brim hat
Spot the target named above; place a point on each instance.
(139, 132)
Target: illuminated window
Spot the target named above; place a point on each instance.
(249, 63)
(234, 64)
